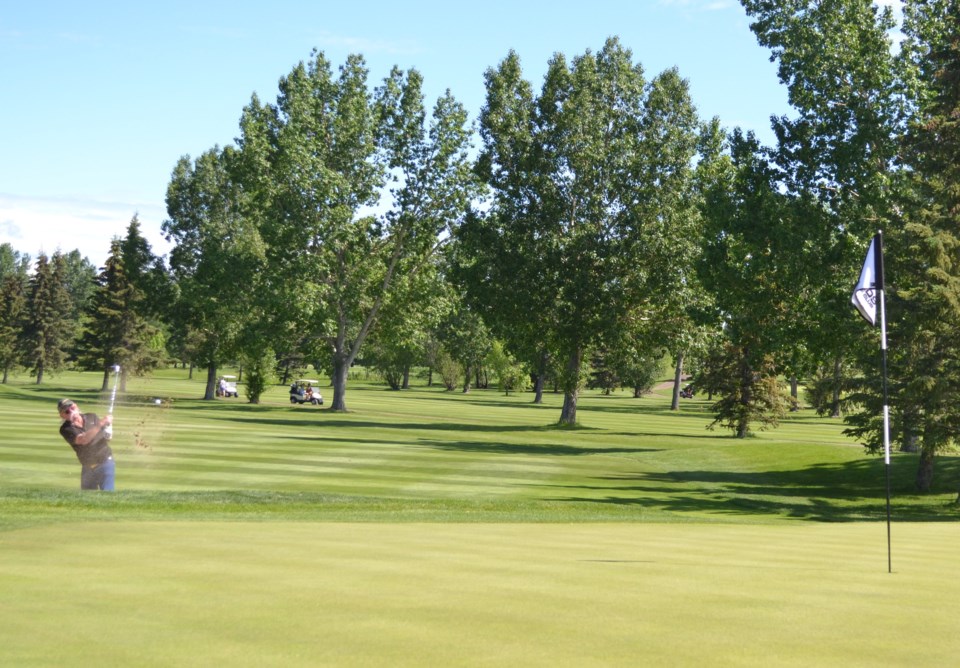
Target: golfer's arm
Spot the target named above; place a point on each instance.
(86, 437)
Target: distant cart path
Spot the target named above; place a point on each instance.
(669, 383)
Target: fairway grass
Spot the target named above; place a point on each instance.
(453, 594)
(434, 528)
(428, 454)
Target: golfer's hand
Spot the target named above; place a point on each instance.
(107, 420)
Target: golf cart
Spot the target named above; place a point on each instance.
(304, 392)
(227, 386)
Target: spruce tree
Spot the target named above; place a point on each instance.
(117, 332)
(926, 259)
(13, 304)
(923, 254)
(49, 328)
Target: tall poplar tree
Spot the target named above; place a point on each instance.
(318, 165)
(218, 259)
(591, 185)
(831, 171)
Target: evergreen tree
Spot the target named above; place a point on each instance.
(117, 332)
(148, 274)
(923, 254)
(14, 286)
(748, 388)
(49, 328)
(13, 304)
(743, 268)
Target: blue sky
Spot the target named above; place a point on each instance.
(100, 99)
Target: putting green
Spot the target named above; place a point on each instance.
(306, 594)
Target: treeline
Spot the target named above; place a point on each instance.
(577, 234)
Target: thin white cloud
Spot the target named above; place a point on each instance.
(219, 32)
(10, 230)
(367, 45)
(35, 39)
(33, 225)
(701, 5)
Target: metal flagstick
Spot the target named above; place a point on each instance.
(866, 295)
(113, 397)
(886, 404)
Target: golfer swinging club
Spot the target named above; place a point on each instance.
(88, 436)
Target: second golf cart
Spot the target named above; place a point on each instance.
(304, 392)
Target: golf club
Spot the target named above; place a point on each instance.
(113, 397)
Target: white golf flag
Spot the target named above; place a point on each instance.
(866, 293)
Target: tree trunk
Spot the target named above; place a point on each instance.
(837, 370)
(677, 379)
(568, 415)
(746, 395)
(925, 470)
(538, 381)
(406, 378)
(467, 375)
(910, 439)
(571, 391)
(794, 394)
(105, 385)
(341, 367)
(210, 391)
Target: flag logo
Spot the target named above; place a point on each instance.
(866, 294)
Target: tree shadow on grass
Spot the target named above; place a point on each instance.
(51, 394)
(346, 424)
(587, 405)
(550, 449)
(853, 491)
